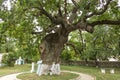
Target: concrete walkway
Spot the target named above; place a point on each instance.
(12, 76)
(80, 77)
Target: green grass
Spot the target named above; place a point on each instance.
(94, 72)
(33, 76)
(18, 68)
(87, 70)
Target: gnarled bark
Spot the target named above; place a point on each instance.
(51, 47)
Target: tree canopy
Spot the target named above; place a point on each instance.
(46, 14)
(28, 21)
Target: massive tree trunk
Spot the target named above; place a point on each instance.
(51, 47)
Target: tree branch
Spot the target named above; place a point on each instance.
(74, 12)
(65, 8)
(100, 12)
(89, 27)
(78, 25)
(36, 32)
(54, 19)
(73, 15)
(73, 46)
(59, 10)
(73, 1)
(43, 11)
(109, 22)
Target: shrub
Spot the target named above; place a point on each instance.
(8, 59)
(67, 55)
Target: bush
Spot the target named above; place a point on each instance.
(101, 64)
(67, 55)
(8, 59)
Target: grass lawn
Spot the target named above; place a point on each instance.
(18, 68)
(33, 76)
(94, 72)
(88, 70)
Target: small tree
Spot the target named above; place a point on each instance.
(8, 59)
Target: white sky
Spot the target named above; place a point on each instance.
(119, 2)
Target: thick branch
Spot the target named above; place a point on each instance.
(43, 11)
(80, 25)
(73, 1)
(74, 12)
(73, 15)
(59, 10)
(36, 32)
(53, 19)
(89, 27)
(82, 40)
(73, 46)
(109, 22)
(100, 12)
(65, 7)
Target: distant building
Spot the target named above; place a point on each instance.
(19, 61)
(113, 59)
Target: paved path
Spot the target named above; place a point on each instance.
(80, 77)
(12, 76)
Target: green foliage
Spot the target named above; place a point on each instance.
(18, 26)
(8, 59)
(103, 43)
(98, 45)
(66, 55)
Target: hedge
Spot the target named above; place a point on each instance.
(101, 64)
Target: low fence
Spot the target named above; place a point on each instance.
(94, 63)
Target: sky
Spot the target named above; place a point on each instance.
(119, 2)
